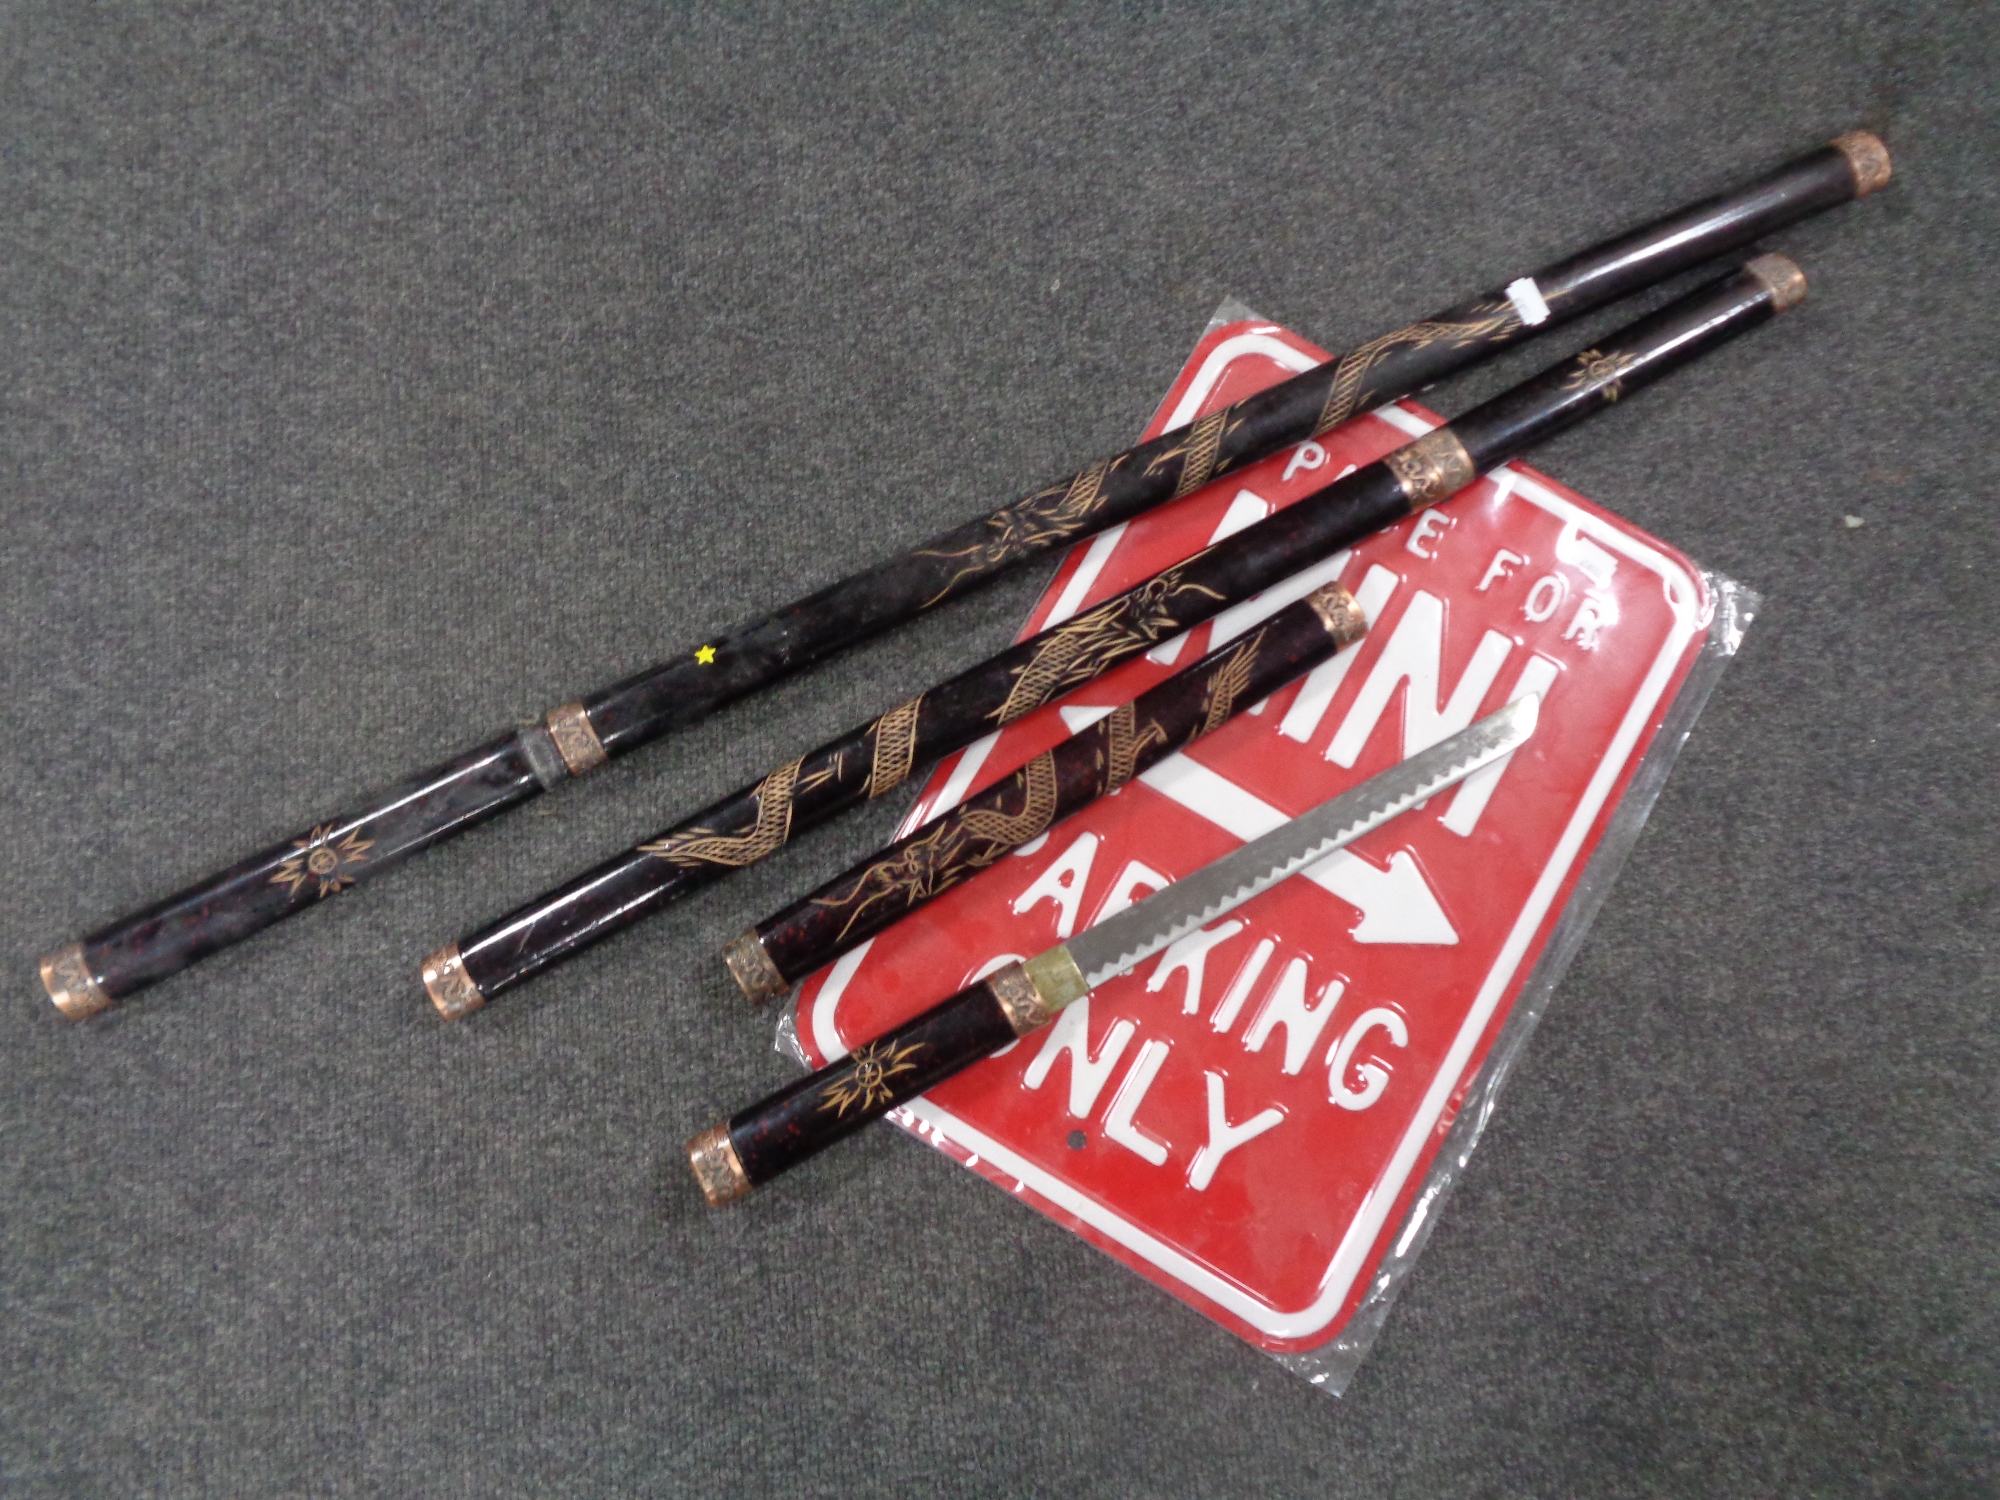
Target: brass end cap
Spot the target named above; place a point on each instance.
(1867, 159)
(451, 989)
(1782, 278)
(576, 739)
(716, 1166)
(1435, 467)
(751, 967)
(1340, 612)
(66, 976)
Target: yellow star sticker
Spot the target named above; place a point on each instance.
(705, 655)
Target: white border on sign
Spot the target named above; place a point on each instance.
(1337, 1281)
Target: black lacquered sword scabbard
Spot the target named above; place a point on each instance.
(331, 856)
(756, 1144)
(755, 821)
(820, 926)
(345, 849)
(672, 694)
(760, 818)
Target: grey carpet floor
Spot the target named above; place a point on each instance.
(371, 379)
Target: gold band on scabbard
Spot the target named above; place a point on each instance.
(1867, 159)
(751, 967)
(716, 1166)
(74, 989)
(1433, 468)
(451, 989)
(1031, 993)
(1782, 279)
(1340, 612)
(581, 749)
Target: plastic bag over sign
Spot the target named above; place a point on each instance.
(1264, 1119)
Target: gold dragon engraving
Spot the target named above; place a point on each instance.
(1197, 453)
(968, 839)
(895, 747)
(1230, 681)
(1028, 526)
(1489, 320)
(1123, 743)
(776, 796)
(1097, 640)
(704, 846)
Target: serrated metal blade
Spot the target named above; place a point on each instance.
(1137, 933)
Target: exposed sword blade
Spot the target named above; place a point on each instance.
(1137, 933)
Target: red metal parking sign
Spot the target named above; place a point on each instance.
(1246, 1117)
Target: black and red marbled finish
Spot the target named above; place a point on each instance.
(806, 1117)
(867, 761)
(1090, 763)
(223, 909)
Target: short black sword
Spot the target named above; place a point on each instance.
(758, 1143)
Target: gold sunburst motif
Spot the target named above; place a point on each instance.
(1595, 367)
(321, 859)
(866, 1082)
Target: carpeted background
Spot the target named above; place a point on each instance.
(372, 379)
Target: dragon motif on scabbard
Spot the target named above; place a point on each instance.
(1198, 454)
(1123, 744)
(959, 843)
(1099, 639)
(1028, 526)
(895, 737)
(703, 845)
(1230, 681)
(1489, 320)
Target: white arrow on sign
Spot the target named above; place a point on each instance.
(1397, 905)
